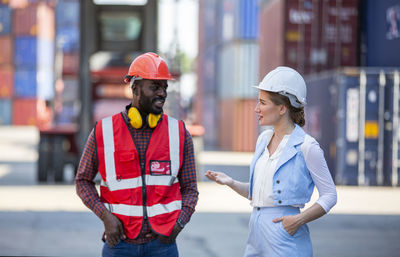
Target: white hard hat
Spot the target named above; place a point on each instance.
(288, 82)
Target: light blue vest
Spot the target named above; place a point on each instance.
(292, 180)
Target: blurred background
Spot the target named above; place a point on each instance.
(62, 64)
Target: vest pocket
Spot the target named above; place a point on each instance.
(125, 164)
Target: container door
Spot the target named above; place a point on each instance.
(391, 130)
(348, 130)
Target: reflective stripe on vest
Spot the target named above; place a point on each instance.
(123, 174)
(114, 184)
(135, 210)
(137, 182)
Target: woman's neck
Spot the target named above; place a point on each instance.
(284, 127)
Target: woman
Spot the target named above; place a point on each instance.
(287, 164)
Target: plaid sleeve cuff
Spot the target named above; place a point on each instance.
(98, 209)
(185, 215)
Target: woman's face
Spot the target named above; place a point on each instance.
(268, 113)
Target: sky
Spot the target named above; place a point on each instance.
(186, 12)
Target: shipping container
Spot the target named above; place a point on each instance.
(238, 20)
(208, 30)
(381, 33)
(32, 83)
(67, 113)
(34, 20)
(309, 36)
(238, 128)
(67, 13)
(6, 50)
(5, 111)
(238, 70)
(25, 83)
(209, 120)
(67, 39)
(352, 113)
(4, 2)
(206, 71)
(5, 20)
(205, 102)
(70, 89)
(25, 112)
(70, 64)
(32, 52)
(271, 47)
(6, 81)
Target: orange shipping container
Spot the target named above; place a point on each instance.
(238, 127)
(25, 112)
(6, 82)
(6, 50)
(34, 20)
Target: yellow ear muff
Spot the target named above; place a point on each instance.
(134, 118)
(153, 119)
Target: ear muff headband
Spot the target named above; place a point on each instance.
(135, 119)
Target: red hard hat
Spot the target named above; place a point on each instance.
(148, 66)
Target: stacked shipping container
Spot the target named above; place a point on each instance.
(26, 62)
(206, 100)
(381, 33)
(307, 35)
(67, 62)
(227, 70)
(354, 114)
(33, 29)
(6, 65)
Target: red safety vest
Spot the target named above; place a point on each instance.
(134, 189)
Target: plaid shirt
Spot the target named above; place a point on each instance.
(88, 169)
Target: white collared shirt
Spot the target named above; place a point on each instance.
(263, 175)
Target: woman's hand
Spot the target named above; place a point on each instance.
(290, 223)
(219, 177)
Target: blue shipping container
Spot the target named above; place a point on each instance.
(5, 112)
(382, 33)
(25, 52)
(350, 112)
(5, 20)
(238, 19)
(67, 13)
(249, 13)
(208, 31)
(391, 176)
(25, 83)
(32, 83)
(67, 39)
(32, 52)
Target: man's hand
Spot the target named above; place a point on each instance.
(171, 238)
(113, 228)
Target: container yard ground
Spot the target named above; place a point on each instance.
(50, 220)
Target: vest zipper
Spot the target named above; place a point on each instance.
(143, 171)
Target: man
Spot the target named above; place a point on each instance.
(146, 162)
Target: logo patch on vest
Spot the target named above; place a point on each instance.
(160, 167)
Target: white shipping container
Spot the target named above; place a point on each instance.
(238, 70)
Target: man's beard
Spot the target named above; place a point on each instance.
(146, 105)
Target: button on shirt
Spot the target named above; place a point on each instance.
(263, 175)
